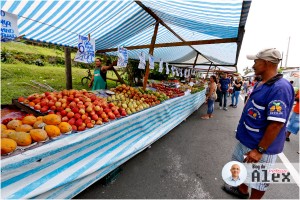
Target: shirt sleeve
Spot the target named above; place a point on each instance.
(279, 105)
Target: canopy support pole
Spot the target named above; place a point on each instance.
(208, 71)
(151, 50)
(68, 68)
(194, 65)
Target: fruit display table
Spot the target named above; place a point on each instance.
(66, 166)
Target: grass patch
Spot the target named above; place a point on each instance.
(30, 49)
(15, 80)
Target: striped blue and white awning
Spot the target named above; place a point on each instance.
(125, 23)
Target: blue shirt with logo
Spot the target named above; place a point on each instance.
(224, 82)
(271, 101)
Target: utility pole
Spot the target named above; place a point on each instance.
(287, 53)
(281, 59)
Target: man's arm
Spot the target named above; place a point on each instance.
(270, 135)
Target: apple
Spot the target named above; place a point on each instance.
(21, 99)
(116, 112)
(83, 117)
(78, 122)
(111, 105)
(81, 111)
(77, 116)
(53, 108)
(68, 109)
(99, 121)
(87, 104)
(72, 104)
(81, 128)
(51, 112)
(74, 128)
(72, 121)
(95, 117)
(70, 114)
(103, 115)
(70, 99)
(58, 104)
(59, 109)
(37, 107)
(87, 120)
(51, 103)
(65, 119)
(89, 109)
(75, 110)
(97, 108)
(123, 113)
(89, 125)
(47, 93)
(49, 97)
(111, 115)
(105, 120)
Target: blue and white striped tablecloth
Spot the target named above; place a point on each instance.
(65, 167)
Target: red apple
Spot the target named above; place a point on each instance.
(87, 121)
(103, 115)
(70, 115)
(83, 117)
(70, 99)
(81, 128)
(51, 103)
(47, 93)
(111, 115)
(72, 121)
(89, 125)
(53, 108)
(75, 110)
(51, 112)
(95, 117)
(37, 107)
(77, 116)
(78, 122)
(74, 128)
(105, 120)
(21, 99)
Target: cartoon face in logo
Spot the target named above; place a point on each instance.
(253, 113)
(276, 107)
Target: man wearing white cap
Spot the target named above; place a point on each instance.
(261, 129)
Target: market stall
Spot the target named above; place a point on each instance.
(66, 166)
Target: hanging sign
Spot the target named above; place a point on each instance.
(160, 66)
(9, 26)
(167, 68)
(176, 70)
(86, 50)
(142, 58)
(151, 62)
(173, 70)
(180, 73)
(122, 57)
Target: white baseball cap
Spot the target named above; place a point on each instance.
(271, 54)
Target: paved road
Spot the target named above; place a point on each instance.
(187, 163)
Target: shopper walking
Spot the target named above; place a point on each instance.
(237, 85)
(261, 129)
(211, 97)
(224, 84)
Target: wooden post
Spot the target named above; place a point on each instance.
(208, 70)
(151, 50)
(195, 62)
(68, 68)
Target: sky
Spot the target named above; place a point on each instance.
(270, 23)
